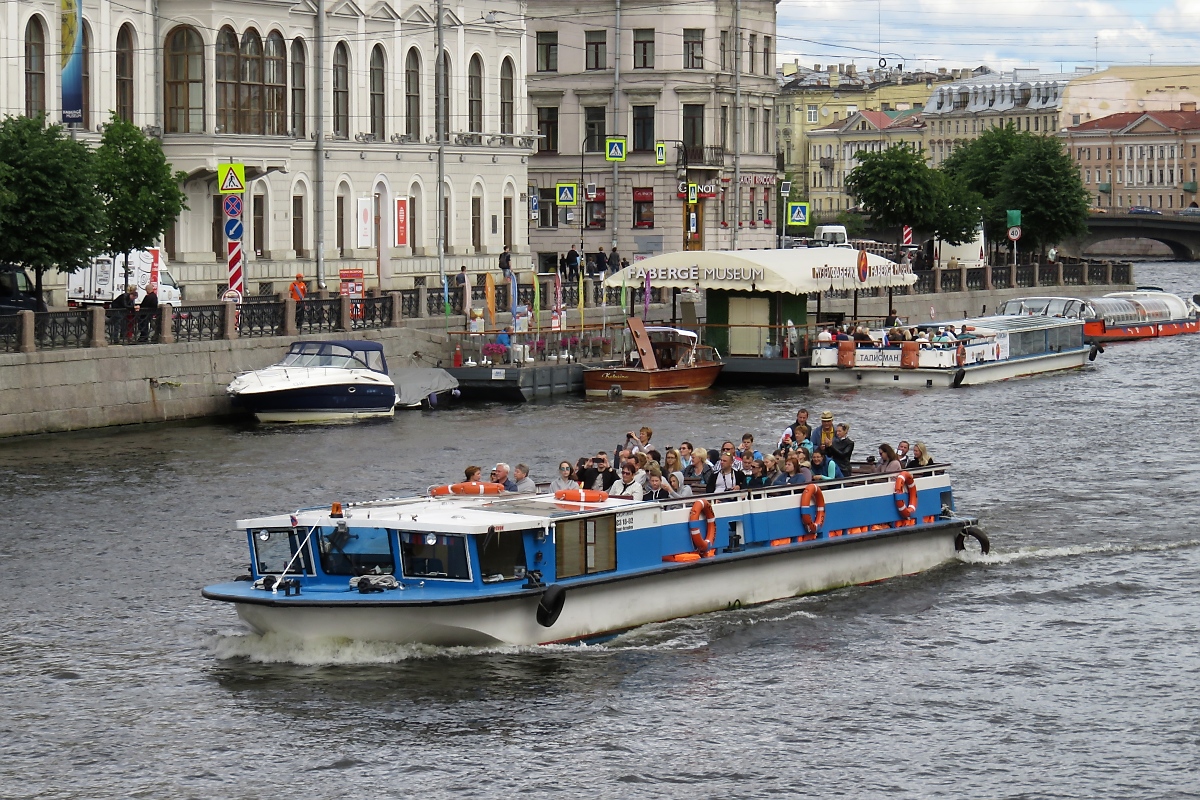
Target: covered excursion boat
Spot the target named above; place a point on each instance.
(1118, 316)
(470, 565)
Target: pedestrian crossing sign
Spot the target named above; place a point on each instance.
(660, 153)
(231, 178)
(614, 148)
(797, 213)
(565, 193)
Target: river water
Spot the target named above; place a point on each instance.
(1065, 664)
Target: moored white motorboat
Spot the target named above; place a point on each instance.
(319, 381)
(575, 566)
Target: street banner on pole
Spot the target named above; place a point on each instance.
(71, 20)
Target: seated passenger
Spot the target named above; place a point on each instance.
(597, 475)
(757, 475)
(771, 468)
(726, 478)
(472, 473)
(825, 336)
(699, 468)
(888, 461)
(903, 454)
(627, 485)
(921, 457)
(524, 484)
(825, 469)
(565, 479)
(823, 437)
(671, 462)
(500, 475)
(747, 452)
(793, 474)
(863, 337)
(642, 461)
(678, 487)
(657, 490)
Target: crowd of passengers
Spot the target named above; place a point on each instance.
(894, 332)
(639, 470)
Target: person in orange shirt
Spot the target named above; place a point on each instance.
(299, 288)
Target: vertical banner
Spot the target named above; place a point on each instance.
(489, 293)
(400, 222)
(446, 294)
(581, 292)
(72, 60)
(646, 297)
(537, 301)
(512, 294)
(364, 222)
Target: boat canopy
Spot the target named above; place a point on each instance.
(669, 332)
(341, 354)
(798, 271)
(1155, 306)
(1005, 324)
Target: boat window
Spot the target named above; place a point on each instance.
(586, 546)
(1056, 307)
(434, 555)
(356, 551)
(319, 354)
(373, 359)
(502, 556)
(274, 548)
(1026, 343)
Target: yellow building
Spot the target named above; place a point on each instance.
(1118, 90)
(833, 152)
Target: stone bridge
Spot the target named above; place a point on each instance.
(1181, 233)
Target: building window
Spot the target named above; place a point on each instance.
(226, 63)
(723, 49)
(693, 48)
(693, 126)
(298, 226)
(547, 51)
(548, 129)
(643, 48)
(506, 97)
(299, 98)
(184, 81)
(751, 53)
(85, 82)
(378, 107)
(593, 129)
(751, 129)
(412, 94)
(768, 67)
(341, 91)
(724, 127)
(643, 208)
(250, 90)
(441, 118)
(547, 208)
(35, 68)
(594, 215)
(275, 84)
(768, 132)
(643, 128)
(595, 54)
(812, 113)
(475, 95)
(124, 73)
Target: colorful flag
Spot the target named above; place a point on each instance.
(581, 297)
(512, 293)
(489, 293)
(446, 294)
(537, 301)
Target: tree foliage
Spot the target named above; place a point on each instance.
(53, 216)
(1043, 182)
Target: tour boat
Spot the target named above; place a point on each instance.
(1146, 313)
(319, 381)
(667, 360)
(994, 349)
(471, 565)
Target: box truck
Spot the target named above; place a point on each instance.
(104, 279)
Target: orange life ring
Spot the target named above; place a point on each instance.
(812, 496)
(702, 508)
(581, 495)
(960, 355)
(906, 505)
(470, 487)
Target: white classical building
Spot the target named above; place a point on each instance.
(224, 81)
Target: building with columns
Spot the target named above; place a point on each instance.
(223, 81)
(651, 73)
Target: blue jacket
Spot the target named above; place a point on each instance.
(828, 471)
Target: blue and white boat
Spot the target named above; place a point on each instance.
(319, 381)
(513, 569)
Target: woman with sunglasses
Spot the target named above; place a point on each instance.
(565, 478)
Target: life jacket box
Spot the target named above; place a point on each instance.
(910, 355)
(846, 354)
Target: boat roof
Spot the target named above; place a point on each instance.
(667, 329)
(1010, 324)
(349, 344)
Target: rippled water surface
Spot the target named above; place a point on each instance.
(1065, 664)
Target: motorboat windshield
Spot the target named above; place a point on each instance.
(1069, 307)
(336, 355)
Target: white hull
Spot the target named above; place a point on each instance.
(610, 607)
(973, 374)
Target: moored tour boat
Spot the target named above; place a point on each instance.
(668, 360)
(994, 349)
(469, 565)
(1147, 313)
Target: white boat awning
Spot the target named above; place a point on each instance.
(798, 271)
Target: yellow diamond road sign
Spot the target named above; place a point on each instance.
(231, 178)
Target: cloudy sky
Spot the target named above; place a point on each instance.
(999, 33)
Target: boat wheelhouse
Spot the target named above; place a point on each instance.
(451, 569)
(990, 349)
(1118, 316)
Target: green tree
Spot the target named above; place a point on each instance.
(958, 210)
(980, 166)
(896, 187)
(141, 193)
(1044, 184)
(54, 216)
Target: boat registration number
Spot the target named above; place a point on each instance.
(625, 521)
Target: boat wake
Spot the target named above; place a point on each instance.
(1068, 551)
(275, 649)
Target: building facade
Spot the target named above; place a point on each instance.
(647, 74)
(834, 152)
(1145, 159)
(221, 81)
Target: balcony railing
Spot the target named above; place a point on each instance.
(710, 155)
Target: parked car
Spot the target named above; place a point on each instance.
(1189, 212)
(1144, 210)
(1097, 210)
(16, 291)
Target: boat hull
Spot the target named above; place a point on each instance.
(330, 402)
(635, 382)
(599, 609)
(1099, 333)
(972, 374)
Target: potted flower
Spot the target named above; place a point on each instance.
(605, 345)
(494, 349)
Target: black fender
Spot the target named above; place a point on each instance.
(960, 541)
(615, 391)
(551, 605)
(959, 375)
(1095, 351)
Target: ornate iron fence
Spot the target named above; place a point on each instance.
(371, 312)
(1026, 277)
(199, 323)
(1047, 275)
(525, 294)
(10, 333)
(1072, 274)
(1001, 276)
(1096, 273)
(408, 304)
(951, 280)
(925, 282)
(319, 316)
(57, 329)
(260, 318)
(976, 278)
(1121, 273)
(570, 295)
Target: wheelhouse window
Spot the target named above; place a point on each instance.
(184, 81)
(434, 555)
(585, 546)
(274, 549)
(341, 91)
(377, 93)
(502, 556)
(299, 95)
(35, 68)
(357, 551)
(124, 73)
(412, 94)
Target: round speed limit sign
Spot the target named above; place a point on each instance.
(1014, 232)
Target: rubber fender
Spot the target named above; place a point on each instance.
(959, 375)
(615, 391)
(960, 541)
(551, 605)
(1095, 351)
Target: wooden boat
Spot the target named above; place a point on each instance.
(668, 360)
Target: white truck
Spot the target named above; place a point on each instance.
(104, 279)
(971, 255)
(830, 236)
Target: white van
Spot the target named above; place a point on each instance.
(971, 255)
(830, 236)
(103, 280)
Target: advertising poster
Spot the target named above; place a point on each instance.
(400, 222)
(72, 60)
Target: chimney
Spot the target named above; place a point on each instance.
(1187, 107)
(851, 70)
(841, 69)
(941, 70)
(816, 67)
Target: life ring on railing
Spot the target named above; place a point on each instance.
(906, 505)
(581, 495)
(470, 487)
(960, 355)
(815, 497)
(702, 543)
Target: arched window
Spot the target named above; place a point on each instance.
(275, 84)
(412, 94)
(184, 81)
(377, 94)
(299, 93)
(341, 91)
(250, 92)
(475, 95)
(125, 73)
(227, 81)
(506, 96)
(85, 78)
(442, 110)
(35, 68)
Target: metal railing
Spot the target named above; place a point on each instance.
(976, 278)
(1026, 276)
(319, 316)
(371, 312)
(1096, 273)
(1001, 276)
(951, 280)
(1047, 275)
(409, 303)
(1072, 274)
(57, 329)
(1122, 273)
(199, 323)
(260, 319)
(925, 282)
(10, 333)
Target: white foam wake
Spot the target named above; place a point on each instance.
(276, 649)
(1068, 551)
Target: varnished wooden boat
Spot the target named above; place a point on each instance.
(668, 360)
